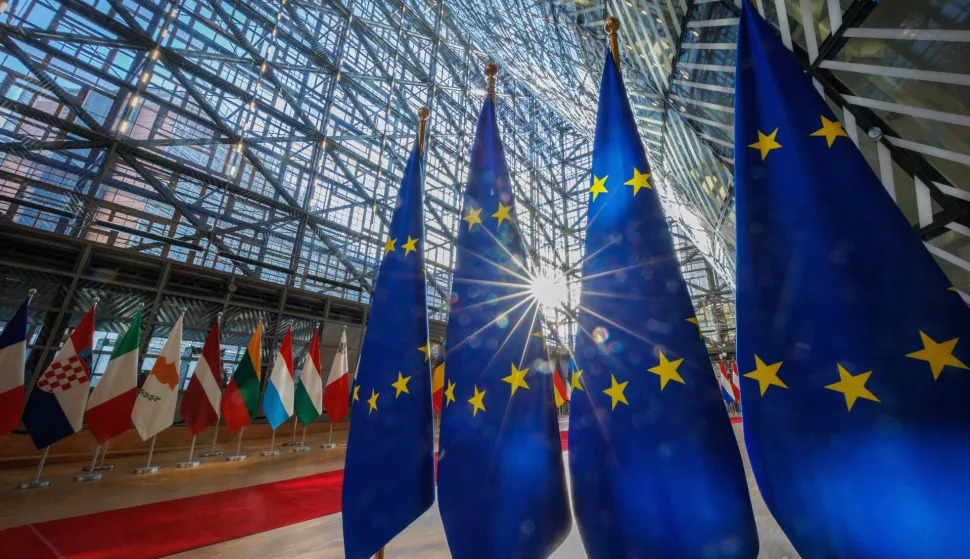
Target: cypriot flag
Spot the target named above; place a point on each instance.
(155, 406)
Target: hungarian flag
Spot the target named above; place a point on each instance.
(308, 402)
(241, 399)
(560, 388)
(155, 406)
(438, 386)
(337, 395)
(200, 405)
(278, 401)
(113, 399)
(13, 349)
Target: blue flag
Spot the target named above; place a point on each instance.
(852, 350)
(502, 487)
(654, 463)
(389, 469)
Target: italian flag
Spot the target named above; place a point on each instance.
(110, 405)
(308, 401)
(241, 398)
(337, 395)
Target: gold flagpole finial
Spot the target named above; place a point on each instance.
(612, 26)
(491, 69)
(423, 114)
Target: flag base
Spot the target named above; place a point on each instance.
(189, 464)
(34, 484)
(270, 453)
(211, 453)
(292, 443)
(146, 470)
(236, 458)
(328, 446)
(301, 449)
(87, 477)
(101, 468)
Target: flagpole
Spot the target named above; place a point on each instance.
(329, 444)
(423, 114)
(612, 26)
(101, 466)
(92, 473)
(380, 554)
(189, 463)
(215, 435)
(292, 441)
(272, 443)
(303, 447)
(491, 69)
(37, 482)
(148, 468)
(238, 457)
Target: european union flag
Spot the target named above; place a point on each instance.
(389, 469)
(654, 463)
(852, 348)
(502, 487)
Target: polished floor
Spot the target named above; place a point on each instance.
(315, 539)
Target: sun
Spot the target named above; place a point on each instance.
(548, 289)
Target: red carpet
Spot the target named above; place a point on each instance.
(159, 529)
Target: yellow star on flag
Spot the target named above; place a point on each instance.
(477, 401)
(426, 349)
(693, 320)
(449, 393)
(472, 217)
(410, 246)
(517, 378)
(599, 186)
(766, 375)
(852, 387)
(389, 246)
(503, 213)
(615, 391)
(537, 334)
(638, 181)
(830, 130)
(372, 401)
(765, 143)
(356, 392)
(574, 382)
(938, 355)
(667, 370)
(401, 385)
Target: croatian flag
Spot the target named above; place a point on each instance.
(278, 400)
(727, 392)
(13, 349)
(55, 409)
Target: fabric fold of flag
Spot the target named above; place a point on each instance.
(202, 400)
(112, 401)
(154, 409)
(336, 395)
(501, 479)
(853, 351)
(13, 351)
(240, 401)
(55, 408)
(655, 467)
(278, 400)
(389, 468)
(308, 400)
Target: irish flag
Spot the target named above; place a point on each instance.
(438, 386)
(155, 406)
(200, 405)
(337, 395)
(110, 405)
(278, 400)
(241, 399)
(13, 349)
(308, 402)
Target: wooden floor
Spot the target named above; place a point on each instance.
(315, 539)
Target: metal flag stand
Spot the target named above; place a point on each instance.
(92, 473)
(272, 443)
(212, 450)
(148, 468)
(101, 465)
(37, 482)
(293, 441)
(329, 444)
(189, 463)
(238, 457)
(303, 447)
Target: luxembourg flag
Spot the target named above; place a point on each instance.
(336, 397)
(13, 349)
(278, 399)
(55, 409)
(726, 392)
(113, 399)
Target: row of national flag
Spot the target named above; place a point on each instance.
(61, 401)
(852, 359)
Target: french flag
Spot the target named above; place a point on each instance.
(278, 399)
(13, 350)
(726, 391)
